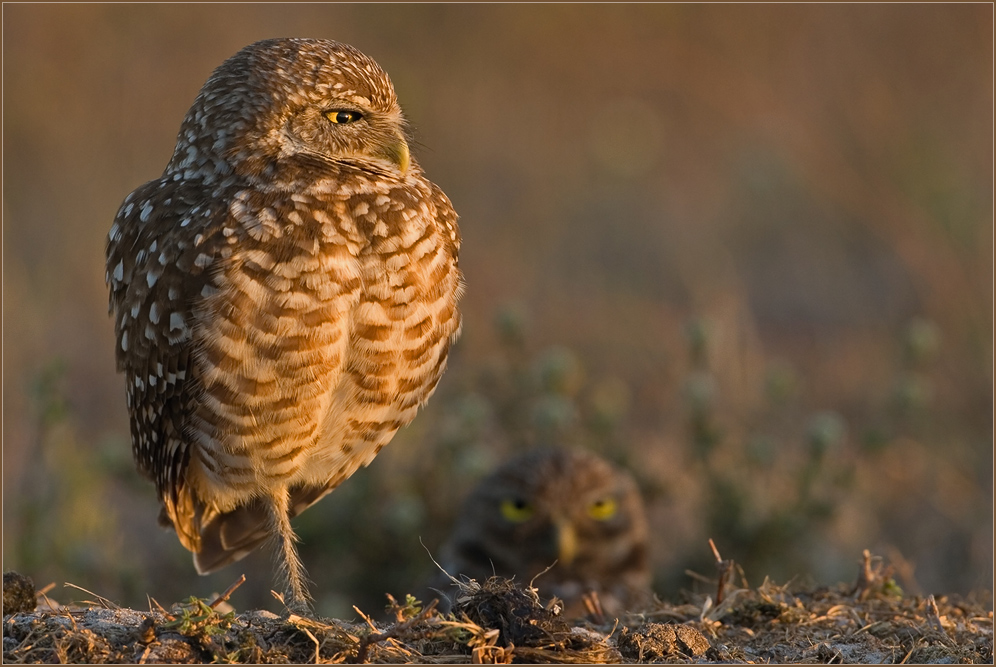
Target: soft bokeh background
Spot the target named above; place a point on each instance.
(746, 251)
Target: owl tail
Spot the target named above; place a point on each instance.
(230, 536)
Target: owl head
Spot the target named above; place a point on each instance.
(283, 107)
(565, 511)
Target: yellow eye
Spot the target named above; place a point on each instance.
(603, 509)
(343, 116)
(516, 510)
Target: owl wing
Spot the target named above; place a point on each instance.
(159, 253)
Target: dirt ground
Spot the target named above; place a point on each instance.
(870, 621)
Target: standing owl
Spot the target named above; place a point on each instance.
(284, 296)
(564, 508)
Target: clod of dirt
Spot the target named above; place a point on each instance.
(656, 641)
(18, 594)
(528, 631)
(520, 619)
(751, 613)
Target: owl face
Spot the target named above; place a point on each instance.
(284, 107)
(568, 509)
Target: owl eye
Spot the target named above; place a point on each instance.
(603, 509)
(343, 116)
(516, 510)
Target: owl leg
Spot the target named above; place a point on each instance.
(298, 599)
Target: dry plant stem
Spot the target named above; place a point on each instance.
(228, 592)
(373, 626)
(48, 601)
(104, 602)
(865, 576)
(934, 617)
(869, 575)
(161, 609)
(593, 605)
(692, 574)
(724, 567)
(318, 647)
(366, 641)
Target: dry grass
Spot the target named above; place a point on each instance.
(498, 622)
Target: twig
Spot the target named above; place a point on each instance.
(697, 577)
(743, 578)
(54, 606)
(593, 605)
(318, 647)
(540, 574)
(870, 576)
(366, 641)
(614, 628)
(291, 614)
(866, 575)
(153, 601)
(934, 618)
(68, 614)
(366, 618)
(104, 602)
(228, 592)
(724, 567)
(436, 563)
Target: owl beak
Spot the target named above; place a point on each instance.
(396, 150)
(567, 543)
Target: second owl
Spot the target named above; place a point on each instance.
(565, 508)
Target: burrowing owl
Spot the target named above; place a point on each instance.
(561, 506)
(284, 296)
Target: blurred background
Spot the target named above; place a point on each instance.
(744, 251)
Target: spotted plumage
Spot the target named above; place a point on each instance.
(564, 519)
(284, 295)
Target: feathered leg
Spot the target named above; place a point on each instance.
(295, 578)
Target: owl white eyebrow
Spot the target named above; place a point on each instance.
(346, 107)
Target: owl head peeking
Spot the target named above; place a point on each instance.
(565, 513)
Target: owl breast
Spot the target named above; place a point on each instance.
(321, 332)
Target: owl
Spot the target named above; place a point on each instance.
(563, 509)
(284, 296)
